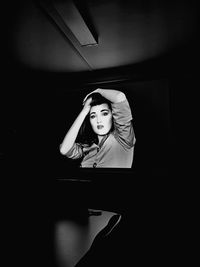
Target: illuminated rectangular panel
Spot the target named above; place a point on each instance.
(75, 22)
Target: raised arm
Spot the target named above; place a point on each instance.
(114, 96)
(122, 116)
(71, 135)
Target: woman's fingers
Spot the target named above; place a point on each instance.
(87, 102)
(95, 91)
(86, 97)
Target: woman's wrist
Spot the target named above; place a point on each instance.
(85, 110)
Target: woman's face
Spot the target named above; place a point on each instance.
(101, 119)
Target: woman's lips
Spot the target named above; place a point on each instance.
(99, 127)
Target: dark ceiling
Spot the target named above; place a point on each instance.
(129, 33)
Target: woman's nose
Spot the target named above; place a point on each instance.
(98, 119)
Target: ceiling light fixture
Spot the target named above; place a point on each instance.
(75, 22)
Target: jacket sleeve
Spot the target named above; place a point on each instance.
(75, 152)
(123, 127)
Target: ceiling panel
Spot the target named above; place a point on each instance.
(129, 32)
(40, 44)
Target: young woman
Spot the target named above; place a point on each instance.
(102, 134)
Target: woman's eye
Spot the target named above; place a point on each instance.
(105, 113)
(92, 116)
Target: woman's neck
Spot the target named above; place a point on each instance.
(100, 137)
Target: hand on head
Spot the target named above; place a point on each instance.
(86, 104)
(95, 91)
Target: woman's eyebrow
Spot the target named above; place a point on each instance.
(102, 110)
(105, 109)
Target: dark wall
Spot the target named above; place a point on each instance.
(41, 111)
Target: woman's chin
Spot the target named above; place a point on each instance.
(102, 133)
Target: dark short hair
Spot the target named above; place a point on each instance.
(86, 135)
(98, 99)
